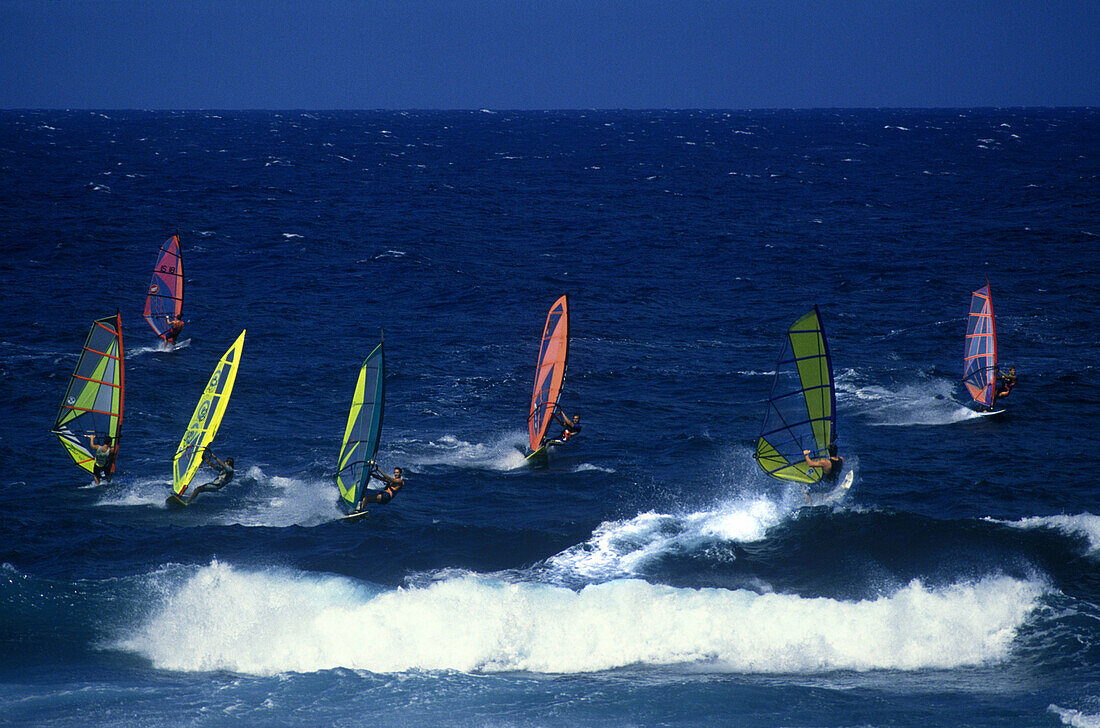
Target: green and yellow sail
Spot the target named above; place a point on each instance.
(206, 418)
(364, 429)
(92, 405)
(801, 410)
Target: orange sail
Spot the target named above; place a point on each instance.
(550, 372)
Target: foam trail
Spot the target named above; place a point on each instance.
(923, 403)
(503, 453)
(141, 492)
(250, 499)
(158, 348)
(279, 502)
(291, 621)
(1084, 524)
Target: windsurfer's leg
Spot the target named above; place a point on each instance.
(380, 498)
(204, 488)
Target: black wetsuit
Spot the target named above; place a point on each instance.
(381, 496)
(834, 471)
(102, 467)
(225, 474)
(568, 430)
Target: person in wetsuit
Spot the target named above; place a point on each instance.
(1005, 383)
(830, 466)
(393, 485)
(570, 427)
(225, 474)
(175, 327)
(104, 458)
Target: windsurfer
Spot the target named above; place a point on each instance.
(104, 458)
(175, 326)
(830, 466)
(1005, 382)
(225, 474)
(570, 427)
(393, 485)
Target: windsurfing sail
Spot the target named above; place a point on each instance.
(93, 402)
(206, 418)
(165, 296)
(549, 372)
(980, 357)
(801, 411)
(363, 430)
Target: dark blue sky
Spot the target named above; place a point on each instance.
(470, 54)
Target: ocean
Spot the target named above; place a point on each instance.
(652, 575)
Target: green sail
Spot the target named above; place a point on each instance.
(364, 429)
(801, 409)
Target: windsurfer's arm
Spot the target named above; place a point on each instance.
(814, 463)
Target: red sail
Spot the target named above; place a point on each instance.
(164, 298)
(549, 372)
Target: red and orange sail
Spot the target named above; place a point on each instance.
(550, 372)
(980, 357)
(165, 295)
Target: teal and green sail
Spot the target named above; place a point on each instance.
(801, 411)
(364, 429)
(92, 405)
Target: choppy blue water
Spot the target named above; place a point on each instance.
(650, 576)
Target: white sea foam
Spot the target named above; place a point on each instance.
(620, 549)
(160, 347)
(279, 501)
(1075, 718)
(252, 498)
(1084, 524)
(137, 492)
(291, 621)
(583, 467)
(502, 452)
(927, 402)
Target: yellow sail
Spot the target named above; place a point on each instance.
(208, 415)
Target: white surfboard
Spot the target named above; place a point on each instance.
(991, 412)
